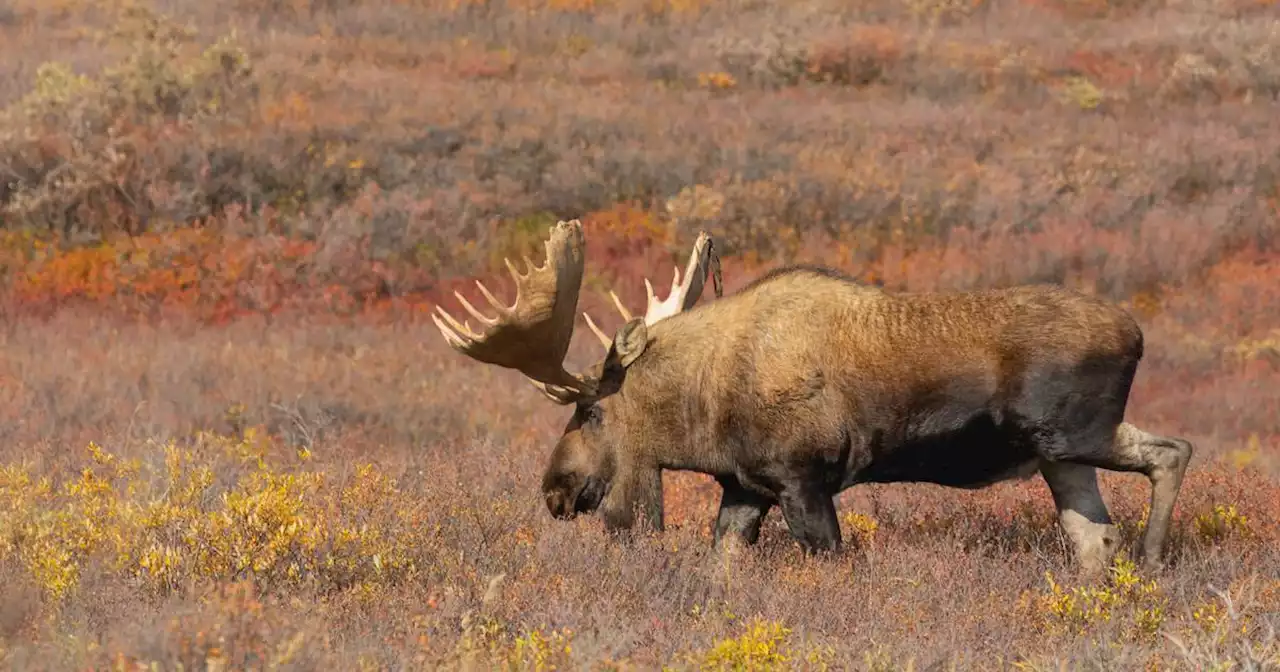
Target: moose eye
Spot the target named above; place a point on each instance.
(594, 415)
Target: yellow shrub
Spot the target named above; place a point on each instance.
(1267, 347)
(1126, 597)
(165, 524)
(486, 643)
(863, 528)
(1082, 92)
(541, 651)
(1209, 615)
(763, 645)
(716, 80)
(1220, 523)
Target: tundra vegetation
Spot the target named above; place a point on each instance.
(233, 437)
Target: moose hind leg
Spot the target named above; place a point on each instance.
(1082, 514)
(1164, 461)
(811, 517)
(742, 511)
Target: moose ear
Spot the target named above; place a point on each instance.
(630, 341)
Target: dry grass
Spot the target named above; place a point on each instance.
(229, 437)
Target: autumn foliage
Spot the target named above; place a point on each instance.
(232, 437)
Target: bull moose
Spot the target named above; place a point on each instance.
(804, 383)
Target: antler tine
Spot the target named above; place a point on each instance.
(622, 310)
(516, 276)
(532, 334)
(486, 321)
(700, 262)
(604, 338)
(626, 314)
(458, 335)
(683, 293)
(497, 305)
(560, 395)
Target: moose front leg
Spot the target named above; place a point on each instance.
(741, 513)
(1082, 514)
(634, 491)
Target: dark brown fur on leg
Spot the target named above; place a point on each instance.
(741, 513)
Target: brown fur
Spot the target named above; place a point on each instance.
(805, 383)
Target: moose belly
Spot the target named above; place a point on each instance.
(972, 454)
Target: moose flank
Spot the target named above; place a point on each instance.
(804, 383)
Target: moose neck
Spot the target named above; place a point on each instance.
(669, 395)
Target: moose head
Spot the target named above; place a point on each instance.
(532, 336)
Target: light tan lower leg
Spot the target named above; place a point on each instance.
(1164, 460)
(1082, 514)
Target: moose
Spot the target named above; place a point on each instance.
(805, 382)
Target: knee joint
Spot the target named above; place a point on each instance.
(1174, 456)
(1185, 450)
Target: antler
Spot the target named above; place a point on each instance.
(532, 335)
(702, 261)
